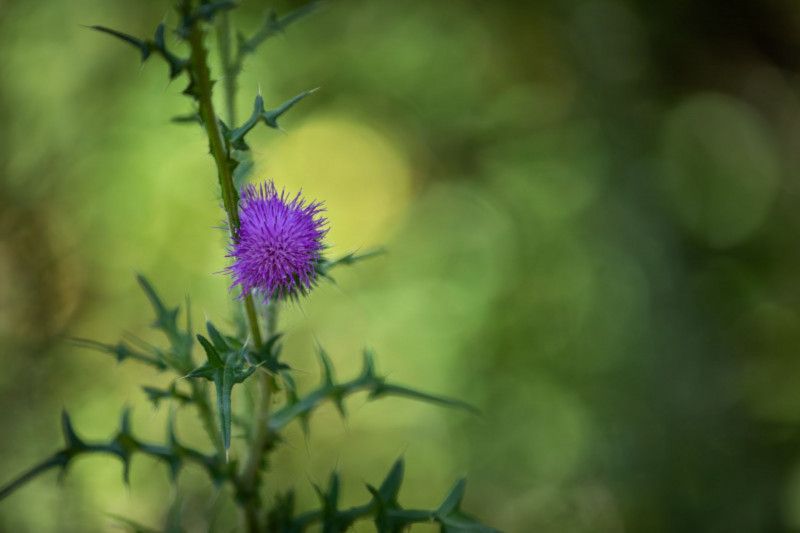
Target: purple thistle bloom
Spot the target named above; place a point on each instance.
(279, 243)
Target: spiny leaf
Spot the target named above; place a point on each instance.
(368, 366)
(205, 11)
(71, 438)
(300, 408)
(216, 337)
(268, 356)
(121, 351)
(331, 498)
(324, 266)
(146, 47)
(388, 515)
(123, 445)
(271, 117)
(214, 360)
(333, 519)
(327, 366)
(209, 10)
(390, 487)
(176, 64)
(143, 46)
(236, 137)
(156, 395)
(58, 460)
(452, 502)
(272, 26)
(166, 319)
(388, 389)
(280, 515)
(224, 373)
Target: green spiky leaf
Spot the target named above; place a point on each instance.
(147, 47)
(268, 356)
(122, 352)
(236, 137)
(300, 408)
(273, 25)
(271, 116)
(220, 344)
(452, 502)
(324, 266)
(209, 10)
(156, 395)
(390, 488)
(176, 64)
(143, 46)
(167, 322)
(224, 370)
(123, 446)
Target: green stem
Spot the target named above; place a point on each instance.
(263, 439)
(220, 151)
(206, 416)
(247, 484)
(228, 70)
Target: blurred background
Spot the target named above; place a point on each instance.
(591, 213)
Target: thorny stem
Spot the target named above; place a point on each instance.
(263, 438)
(228, 69)
(201, 78)
(200, 398)
(247, 484)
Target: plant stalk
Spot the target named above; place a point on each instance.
(228, 71)
(263, 438)
(201, 79)
(247, 484)
(200, 398)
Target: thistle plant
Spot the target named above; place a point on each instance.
(277, 254)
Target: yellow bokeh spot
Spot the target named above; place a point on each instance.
(362, 177)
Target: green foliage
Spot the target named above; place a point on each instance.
(225, 367)
(232, 359)
(272, 25)
(229, 361)
(300, 408)
(269, 117)
(124, 445)
(383, 509)
(122, 352)
(146, 47)
(156, 395)
(324, 266)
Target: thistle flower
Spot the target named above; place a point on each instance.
(278, 244)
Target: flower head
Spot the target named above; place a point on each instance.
(278, 244)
